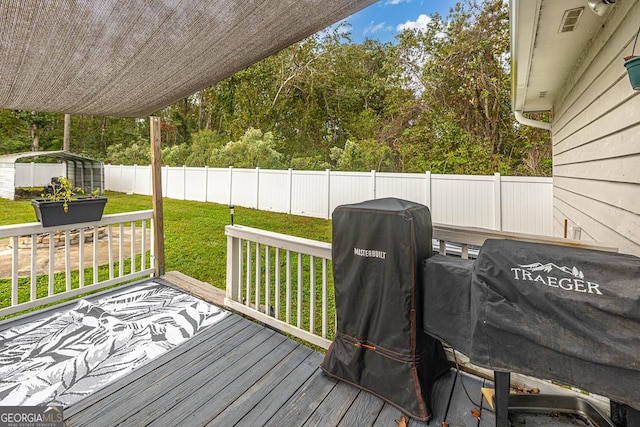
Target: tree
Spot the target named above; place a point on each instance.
(253, 149)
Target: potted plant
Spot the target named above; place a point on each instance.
(61, 204)
(632, 64)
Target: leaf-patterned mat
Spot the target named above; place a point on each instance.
(61, 359)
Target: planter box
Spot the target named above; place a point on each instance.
(51, 213)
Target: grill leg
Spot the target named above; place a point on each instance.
(502, 381)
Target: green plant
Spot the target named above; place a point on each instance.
(62, 191)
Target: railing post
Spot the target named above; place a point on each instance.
(233, 263)
(497, 199)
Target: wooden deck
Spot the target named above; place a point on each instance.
(240, 373)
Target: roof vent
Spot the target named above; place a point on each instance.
(542, 94)
(570, 19)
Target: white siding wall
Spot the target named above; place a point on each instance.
(596, 140)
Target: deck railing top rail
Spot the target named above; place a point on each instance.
(37, 228)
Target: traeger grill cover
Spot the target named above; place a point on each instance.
(553, 312)
(377, 250)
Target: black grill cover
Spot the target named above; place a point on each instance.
(379, 346)
(554, 312)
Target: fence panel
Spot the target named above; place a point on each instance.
(243, 188)
(273, 194)
(516, 204)
(218, 186)
(142, 183)
(462, 200)
(175, 183)
(194, 179)
(309, 193)
(527, 205)
(350, 187)
(408, 186)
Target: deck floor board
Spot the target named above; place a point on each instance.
(238, 372)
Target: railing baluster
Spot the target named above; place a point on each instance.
(267, 280)
(465, 251)
(52, 263)
(81, 258)
(247, 298)
(133, 247)
(312, 295)
(257, 295)
(14, 270)
(325, 284)
(34, 266)
(240, 268)
(299, 299)
(95, 255)
(277, 272)
(110, 249)
(67, 260)
(288, 289)
(143, 254)
(121, 251)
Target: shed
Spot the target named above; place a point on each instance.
(82, 172)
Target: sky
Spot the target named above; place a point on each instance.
(384, 19)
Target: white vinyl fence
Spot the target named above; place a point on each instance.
(515, 204)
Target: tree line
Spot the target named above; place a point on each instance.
(436, 99)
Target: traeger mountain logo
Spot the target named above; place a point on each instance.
(576, 282)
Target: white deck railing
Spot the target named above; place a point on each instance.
(38, 283)
(282, 281)
(270, 274)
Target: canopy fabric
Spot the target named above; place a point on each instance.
(131, 58)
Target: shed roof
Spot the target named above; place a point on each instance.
(60, 155)
(133, 57)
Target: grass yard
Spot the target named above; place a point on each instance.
(195, 243)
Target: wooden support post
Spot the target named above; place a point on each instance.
(156, 176)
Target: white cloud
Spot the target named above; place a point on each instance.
(394, 2)
(373, 28)
(419, 24)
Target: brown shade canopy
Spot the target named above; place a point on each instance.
(132, 57)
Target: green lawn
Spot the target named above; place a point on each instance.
(195, 243)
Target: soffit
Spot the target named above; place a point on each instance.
(542, 56)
